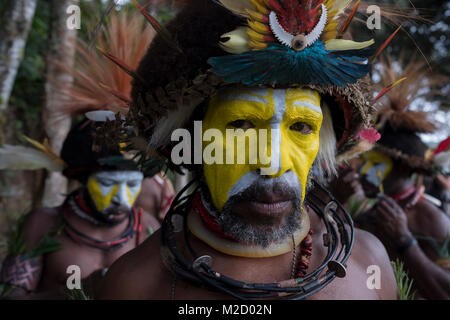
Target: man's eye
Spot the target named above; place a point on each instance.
(242, 124)
(133, 184)
(301, 127)
(106, 183)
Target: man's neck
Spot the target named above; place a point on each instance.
(235, 248)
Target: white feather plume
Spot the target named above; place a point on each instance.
(23, 158)
(166, 125)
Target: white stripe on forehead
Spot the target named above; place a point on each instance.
(307, 105)
(119, 176)
(256, 95)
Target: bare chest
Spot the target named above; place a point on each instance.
(357, 285)
(80, 257)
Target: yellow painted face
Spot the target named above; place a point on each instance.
(291, 119)
(376, 167)
(109, 189)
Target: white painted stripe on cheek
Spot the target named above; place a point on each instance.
(243, 183)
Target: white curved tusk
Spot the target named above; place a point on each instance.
(286, 38)
(282, 35)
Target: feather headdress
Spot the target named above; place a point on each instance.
(419, 82)
(100, 83)
(290, 41)
(278, 43)
(398, 124)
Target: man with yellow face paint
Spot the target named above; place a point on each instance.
(409, 225)
(375, 169)
(95, 225)
(245, 193)
(249, 229)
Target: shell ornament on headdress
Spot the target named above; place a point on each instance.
(290, 42)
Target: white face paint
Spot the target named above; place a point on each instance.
(374, 174)
(289, 179)
(114, 188)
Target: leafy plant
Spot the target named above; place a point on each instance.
(404, 283)
(77, 294)
(5, 290)
(16, 243)
(443, 251)
(357, 205)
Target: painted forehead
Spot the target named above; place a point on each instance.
(293, 97)
(118, 175)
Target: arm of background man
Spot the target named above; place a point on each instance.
(432, 223)
(433, 281)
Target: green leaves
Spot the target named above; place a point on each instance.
(443, 251)
(5, 290)
(17, 245)
(77, 294)
(404, 283)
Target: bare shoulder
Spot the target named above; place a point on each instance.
(368, 248)
(136, 275)
(371, 255)
(38, 223)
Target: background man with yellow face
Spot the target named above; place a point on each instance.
(96, 224)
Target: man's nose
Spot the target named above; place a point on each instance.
(280, 159)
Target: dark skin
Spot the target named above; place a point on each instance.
(155, 197)
(141, 274)
(346, 184)
(432, 281)
(91, 261)
(395, 226)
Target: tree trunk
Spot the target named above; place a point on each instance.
(16, 23)
(61, 48)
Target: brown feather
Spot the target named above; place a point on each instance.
(125, 36)
(395, 103)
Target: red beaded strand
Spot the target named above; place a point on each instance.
(305, 256)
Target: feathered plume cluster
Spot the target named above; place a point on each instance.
(290, 41)
(100, 82)
(412, 81)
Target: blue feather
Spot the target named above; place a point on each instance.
(281, 65)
